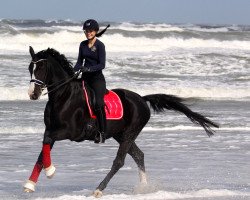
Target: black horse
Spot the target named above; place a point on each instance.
(66, 115)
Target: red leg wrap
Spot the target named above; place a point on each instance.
(46, 155)
(36, 172)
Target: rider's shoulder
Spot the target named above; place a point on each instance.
(84, 43)
(99, 43)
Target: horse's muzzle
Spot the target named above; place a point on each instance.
(34, 92)
(34, 97)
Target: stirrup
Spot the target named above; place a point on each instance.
(99, 138)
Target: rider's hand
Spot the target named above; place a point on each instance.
(84, 69)
(78, 74)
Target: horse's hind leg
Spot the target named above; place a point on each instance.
(138, 157)
(117, 164)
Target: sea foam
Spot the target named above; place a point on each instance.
(20, 93)
(160, 195)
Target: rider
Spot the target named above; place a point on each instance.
(92, 51)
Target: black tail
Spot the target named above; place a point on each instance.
(159, 102)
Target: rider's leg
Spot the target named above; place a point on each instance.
(101, 118)
(99, 87)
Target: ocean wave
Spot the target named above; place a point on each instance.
(65, 35)
(119, 43)
(129, 25)
(160, 195)
(17, 130)
(20, 43)
(68, 42)
(156, 27)
(16, 35)
(214, 93)
(177, 64)
(147, 27)
(20, 93)
(15, 93)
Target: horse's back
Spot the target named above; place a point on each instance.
(133, 104)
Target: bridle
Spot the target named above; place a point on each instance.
(37, 81)
(54, 86)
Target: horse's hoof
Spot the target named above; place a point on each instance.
(97, 193)
(50, 171)
(29, 187)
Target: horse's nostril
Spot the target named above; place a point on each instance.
(33, 97)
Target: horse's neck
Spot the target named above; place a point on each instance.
(57, 74)
(69, 98)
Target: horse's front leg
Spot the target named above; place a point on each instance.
(46, 160)
(43, 161)
(29, 186)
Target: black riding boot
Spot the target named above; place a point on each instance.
(101, 119)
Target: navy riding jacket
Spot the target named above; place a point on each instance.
(94, 57)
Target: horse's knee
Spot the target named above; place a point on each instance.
(47, 139)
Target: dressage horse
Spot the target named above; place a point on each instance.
(66, 115)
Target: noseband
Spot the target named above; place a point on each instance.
(54, 86)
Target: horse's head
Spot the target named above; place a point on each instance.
(38, 71)
(47, 69)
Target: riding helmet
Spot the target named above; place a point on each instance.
(91, 24)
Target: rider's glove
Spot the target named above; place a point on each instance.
(78, 74)
(84, 69)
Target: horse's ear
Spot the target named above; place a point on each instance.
(32, 52)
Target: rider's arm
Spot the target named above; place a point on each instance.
(79, 62)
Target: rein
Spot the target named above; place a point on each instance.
(64, 82)
(56, 85)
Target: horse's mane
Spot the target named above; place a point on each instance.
(60, 58)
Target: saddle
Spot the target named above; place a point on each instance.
(113, 104)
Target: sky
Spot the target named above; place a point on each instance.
(161, 11)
